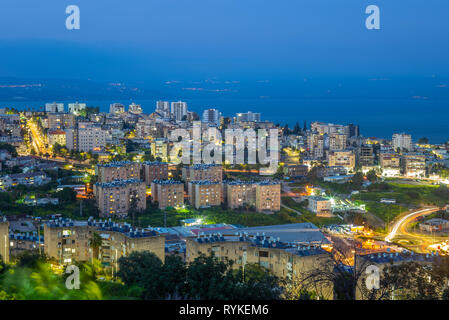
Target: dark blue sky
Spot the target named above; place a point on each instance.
(158, 40)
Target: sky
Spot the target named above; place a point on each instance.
(145, 41)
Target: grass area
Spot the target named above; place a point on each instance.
(155, 217)
(410, 195)
(386, 212)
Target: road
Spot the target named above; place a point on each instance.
(400, 228)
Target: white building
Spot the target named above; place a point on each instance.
(54, 107)
(403, 141)
(135, 108)
(116, 108)
(163, 108)
(212, 116)
(320, 206)
(178, 110)
(248, 117)
(91, 137)
(76, 107)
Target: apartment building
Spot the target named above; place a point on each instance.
(239, 193)
(67, 241)
(76, 108)
(159, 148)
(61, 120)
(168, 193)
(119, 170)
(414, 165)
(247, 117)
(154, 171)
(390, 164)
(135, 108)
(337, 141)
(320, 206)
(54, 107)
(345, 158)
(91, 137)
(4, 240)
(365, 156)
(198, 172)
(315, 145)
(268, 196)
(56, 137)
(204, 194)
(402, 141)
(116, 108)
(178, 110)
(283, 259)
(116, 198)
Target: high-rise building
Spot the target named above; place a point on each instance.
(337, 141)
(163, 108)
(154, 171)
(199, 172)
(54, 107)
(76, 107)
(248, 117)
(212, 116)
(354, 130)
(178, 110)
(61, 120)
(402, 141)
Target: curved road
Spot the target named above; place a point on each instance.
(400, 226)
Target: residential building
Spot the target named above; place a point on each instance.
(205, 193)
(135, 108)
(337, 141)
(116, 108)
(296, 170)
(54, 107)
(390, 164)
(116, 198)
(414, 165)
(154, 171)
(402, 141)
(198, 172)
(365, 155)
(159, 149)
(76, 108)
(345, 158)
(212, 116)
(268, 196)
(320, 206)
(434, 225)
(163, 108)
(61, 120)
(178, 110)
(238, 194)
(168, 193)
(119, 170)
(68, 241)
(247, 117)
(56, 137)
(91, 137)
(275, 248)
(28, 179)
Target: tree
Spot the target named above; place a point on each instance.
(357, 180)
(95, 244)
(372, 175)
(423, 140)
(66, 195)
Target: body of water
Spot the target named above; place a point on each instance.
(376, 117)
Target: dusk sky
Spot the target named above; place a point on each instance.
(140, 40)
